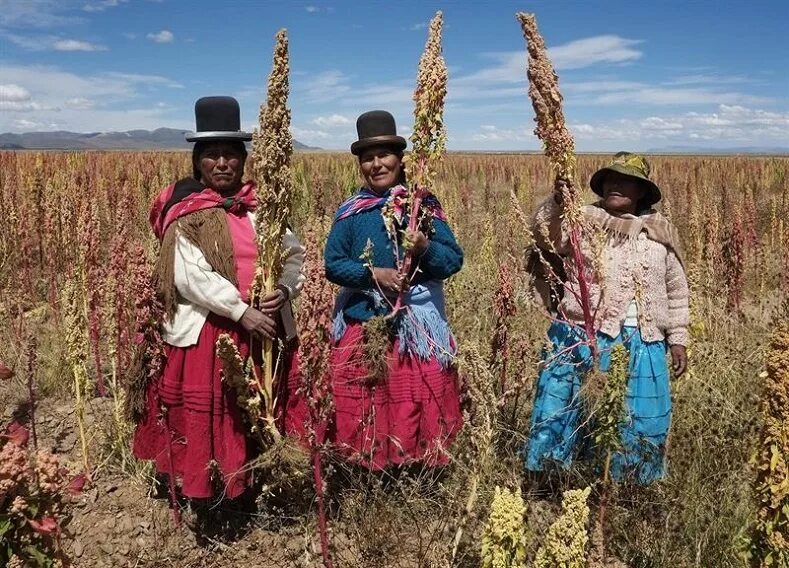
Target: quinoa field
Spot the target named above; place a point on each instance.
(75, 257)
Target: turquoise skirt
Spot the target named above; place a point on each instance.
(560, 431)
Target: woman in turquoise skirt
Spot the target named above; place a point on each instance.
(639, 300)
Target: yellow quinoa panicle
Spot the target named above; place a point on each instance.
(565, 543)
(504, 539)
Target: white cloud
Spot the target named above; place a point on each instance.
(651, 95)
(12, 92)
(102, 5)
(708, 79)
(79, 103)
(150, 80)
(24, 125)
(164, 36)
(312, 9)
(594, 50)
(22, 106)
(419, 26)
(31, 43)
(510, 66)
(49, 95)
(76, 45)
(599, 86)
(491, 133)
(331, 121)
(657, 123)
(726, 127)
(309, 136)
(52, 43)
(326, 85)
(39, 14)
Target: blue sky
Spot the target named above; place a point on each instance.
(635, 75)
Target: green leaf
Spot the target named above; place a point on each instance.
(41, 558)
(5, 526)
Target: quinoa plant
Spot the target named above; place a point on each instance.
(504, 539)
(565, 544)
(315, 326)
(769, 543)
(272, 147)
(428, 140)
(559, 147)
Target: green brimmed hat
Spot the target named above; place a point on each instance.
(633, 165)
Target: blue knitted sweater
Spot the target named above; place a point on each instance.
(344, 265)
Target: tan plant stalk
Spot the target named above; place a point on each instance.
(769, 542)
(238, 377)
(610, 411)
(559, 147)
(480, 423)
(428, 140)
(272, 148)
(547, 101)
(77, 356)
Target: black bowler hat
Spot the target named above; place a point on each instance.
(377, 128)
(217, 118)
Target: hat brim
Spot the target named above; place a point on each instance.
(389, 140)
(218, 135)
(596, 182)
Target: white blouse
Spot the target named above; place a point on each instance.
(201, 290)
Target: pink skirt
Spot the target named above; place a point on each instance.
(202, 427)
(412, 415)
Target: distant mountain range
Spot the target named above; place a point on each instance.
(699, 150)
(173, 139)
(161, 138)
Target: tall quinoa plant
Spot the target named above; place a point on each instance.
(428, 139)
(272, 149)
(769, 544)
(559, 147)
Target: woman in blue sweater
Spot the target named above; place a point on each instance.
(410, 411)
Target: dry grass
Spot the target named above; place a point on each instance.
(695, 518)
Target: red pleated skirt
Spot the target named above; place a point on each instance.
(194, 425)
(412, 415)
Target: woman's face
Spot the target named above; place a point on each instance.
(621, 193)
(221, 167)
(381, 167)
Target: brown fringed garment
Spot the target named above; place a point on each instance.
(208, 231)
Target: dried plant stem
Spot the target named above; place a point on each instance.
(31, 360)
(272, 148)
(559, 147)
(315, 325)
(77, 354)
(429, 137)
(481, 426)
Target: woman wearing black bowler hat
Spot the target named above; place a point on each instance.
(412, 412)
(192, 427)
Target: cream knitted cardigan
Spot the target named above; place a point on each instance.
(637, 269)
